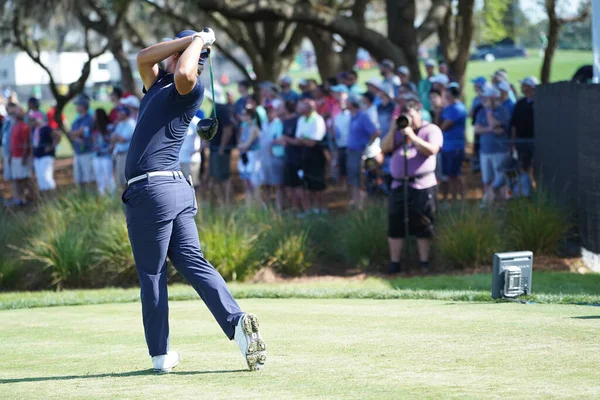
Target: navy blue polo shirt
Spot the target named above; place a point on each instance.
(163, 119)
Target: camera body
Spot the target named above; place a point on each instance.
(403, 121)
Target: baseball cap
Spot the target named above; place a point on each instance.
(302, 82)
(454, 85)
(188, 32)
(82, 101)
(388, 90)
(479, 81)
(403, 69)
(339, 88)
(530, 81)
(501, 75)
(440, 78)
(286, 80)
(387, 64)
(130, 101)
(504, 86)
(185, 33)
(429, 63)
(375, 82)
(354, 99)
(490, 91)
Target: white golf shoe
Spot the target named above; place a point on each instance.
(165, 363)
(251, 344)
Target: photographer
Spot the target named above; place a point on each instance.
(414, 144)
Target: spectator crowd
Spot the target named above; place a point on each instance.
(291, 143)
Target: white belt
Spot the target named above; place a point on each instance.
(148, 175)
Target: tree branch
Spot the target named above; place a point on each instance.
(434, 19)
(134, 36)
(304, 12)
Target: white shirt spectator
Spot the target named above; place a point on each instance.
(341, 125)
(124, 129)
(190, 149)
(312, 128)
(374, 149)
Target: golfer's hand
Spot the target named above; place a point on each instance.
(208, 37)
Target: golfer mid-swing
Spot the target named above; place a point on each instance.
(160, 202)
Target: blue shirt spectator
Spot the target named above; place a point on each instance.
(275, 131)
(454, 136)
(492, 142)
(384, 116)
(361, 130)
(124, 130)
(83, 145)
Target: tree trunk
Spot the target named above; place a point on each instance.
(553, 32)
(402, 32)
(330, 62)
(464, 35)
(127, 80)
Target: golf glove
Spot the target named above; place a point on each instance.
(208, 36)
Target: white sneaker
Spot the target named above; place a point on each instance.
(251, 344)
(165, 363)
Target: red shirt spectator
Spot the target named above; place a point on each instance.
(20, 139)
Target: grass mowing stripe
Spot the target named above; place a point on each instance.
(181, 293)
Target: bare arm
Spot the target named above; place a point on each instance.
(186, 73)
(423, 146)
(148, 58)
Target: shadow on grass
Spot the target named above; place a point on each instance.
(587, 317)
(117, 375)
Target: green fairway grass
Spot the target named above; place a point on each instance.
(327, 349)
(548, 287)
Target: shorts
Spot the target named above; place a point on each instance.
(6, 172)
(342, 156)
(490, 168)
(525, 154)
(290, 175)
(44, 172)
(193, 169)
(452, 162)
(83, 168)
(421, 212)
(219, 167)
(273, 171)
(313, 170)
(19, 171)
(250, 171)
(354, 167)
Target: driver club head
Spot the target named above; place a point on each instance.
(207, 128)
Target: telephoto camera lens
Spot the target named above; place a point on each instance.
(403, 121)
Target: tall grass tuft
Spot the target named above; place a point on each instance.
(228, 244)
(112, 252)
(293, 255)
(64, 250)
(467, 237)
(538, 224)
(362, 236)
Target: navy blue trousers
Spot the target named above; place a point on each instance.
(160, 221)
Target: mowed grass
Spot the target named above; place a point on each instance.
(343, 349)
(548, 287)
